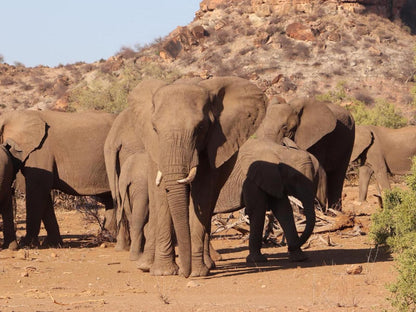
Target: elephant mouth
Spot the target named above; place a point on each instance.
(187, 180)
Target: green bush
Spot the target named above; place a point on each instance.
(109, 91)
(395, 225)
(382, 113)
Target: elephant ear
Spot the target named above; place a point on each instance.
(266, 175)
(316, 121)
(140, 100)
(237, 109)
(364, 138)
(23, 132)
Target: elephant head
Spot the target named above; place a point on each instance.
(364, 138)
(305, 121)
(22, 132)
(210, 118)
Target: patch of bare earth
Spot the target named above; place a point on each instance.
(90, 276)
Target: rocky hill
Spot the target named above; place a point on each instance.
(288, 48)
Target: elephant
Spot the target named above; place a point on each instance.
(57, 150)
(124, 140)
(325, 130)
(7, 176)
(191, 133)
(134, 206)
(382, 151)
(265, 174)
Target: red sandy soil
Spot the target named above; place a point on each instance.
(90, 276)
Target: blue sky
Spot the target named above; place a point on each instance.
(53, 32)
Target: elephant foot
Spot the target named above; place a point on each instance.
(202, 270)
(12, 245)
(29, 242)
(297, 255)
(215, 255)
(134, 255)
(52, 242)
(209, 262)
(144, 263)
(121, 246)
(256, 258)
(165, 269)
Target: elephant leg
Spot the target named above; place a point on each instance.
(139, 219)
(201, 261)
(256, 206)
(382, 178)
(164, 261)
(110, 218)
(215, 255)
(123, 236)
(210, 254)
(9, 232)
(364, 175)
(283, 211)
(37, 198)
(53, 238)
(147, 258)
(335, 182)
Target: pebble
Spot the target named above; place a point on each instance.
(355, 269)
(192, 284)
(24, 274)
(103, 245)
(54, 255)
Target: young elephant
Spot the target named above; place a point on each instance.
(133, 212)
(7, 175)
(265, 174)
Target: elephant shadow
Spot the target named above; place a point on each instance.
(316, 258)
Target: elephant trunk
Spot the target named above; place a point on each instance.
(309, 211)
(177, 161)
(178, 201)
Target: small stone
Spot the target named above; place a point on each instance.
(355, 269)
(263, 286)
(22, 254)
(54, 255)
(19, 281)
(103, 245)
(192, 284)
(24, 274)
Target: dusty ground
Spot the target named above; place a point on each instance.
(84, 278)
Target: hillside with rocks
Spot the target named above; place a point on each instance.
(288, 48)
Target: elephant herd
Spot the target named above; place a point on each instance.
(182, 152)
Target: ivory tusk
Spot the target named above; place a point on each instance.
(189, 178)
(158, 177)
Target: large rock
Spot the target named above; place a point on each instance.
(300, 31)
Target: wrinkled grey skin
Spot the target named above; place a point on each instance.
(191, 125)
(325, 130)
(125, 140)
(382, 151)
(56, 150)
(265, 174)
(7, 175)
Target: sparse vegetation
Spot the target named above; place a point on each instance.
(382, 113)
(395, 225)
(109, 92)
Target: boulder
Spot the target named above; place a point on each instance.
(300, 31)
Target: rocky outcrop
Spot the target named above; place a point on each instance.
(182, 38)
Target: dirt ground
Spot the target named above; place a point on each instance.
(86, 275)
